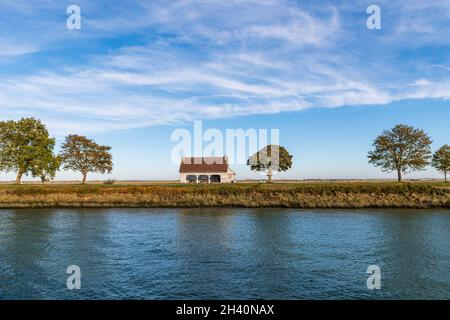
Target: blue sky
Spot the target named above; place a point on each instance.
(137, 70)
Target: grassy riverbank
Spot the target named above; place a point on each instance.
(287, 195)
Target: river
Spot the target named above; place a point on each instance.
(224, 253)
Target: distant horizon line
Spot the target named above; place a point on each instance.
(242, 181)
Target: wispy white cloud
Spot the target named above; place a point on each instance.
(8, 48)
(165, 62)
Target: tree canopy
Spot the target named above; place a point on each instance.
(441, 160)
(79, 153)
(49, 168)
(401, 149)
(26, 148)
(270, 158)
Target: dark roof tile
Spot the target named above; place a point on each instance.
(205, 164)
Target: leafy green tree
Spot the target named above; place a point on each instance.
(401, 149)
(270, 158)
(79, 153)
(441, 160)
(49, 169)
(26, 148)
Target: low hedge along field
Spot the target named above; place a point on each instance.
(289, 195)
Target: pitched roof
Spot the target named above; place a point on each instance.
(203, 164)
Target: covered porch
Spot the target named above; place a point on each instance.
(203, 178)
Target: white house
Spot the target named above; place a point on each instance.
(206, 170)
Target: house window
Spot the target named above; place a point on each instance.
(203, 178)
(191, 178)
(215, 178)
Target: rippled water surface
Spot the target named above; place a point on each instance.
(224, 253)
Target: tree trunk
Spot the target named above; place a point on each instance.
(19, 177)
(84, 177)
(445, 175)
(399, 174)
(269, 175)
